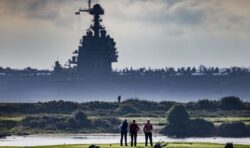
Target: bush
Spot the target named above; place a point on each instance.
(236, 129)
(81, 117)
(200, 127)
(44, 122)
(71, 123)
(126, 109)
(178, 115)
(229, 103)
(106, 124)
(7, 124)
(196, 127)
(180, 125)
(207, 104)
(78, 120)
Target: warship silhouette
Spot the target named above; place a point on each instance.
(89, 76)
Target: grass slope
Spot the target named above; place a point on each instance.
(170, 145)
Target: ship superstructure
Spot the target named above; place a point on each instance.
(89, 75)
(97, 50)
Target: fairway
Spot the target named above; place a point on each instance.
(170, 145)
(215, 120)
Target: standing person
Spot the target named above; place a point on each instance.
(124, 131)
(148, 127)
(119, 99)
(133, 128)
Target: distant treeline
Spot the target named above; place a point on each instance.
(187, 71)
(168, 71)
(227, 106)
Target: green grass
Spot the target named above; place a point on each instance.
(12, 118)
(219, 120)
(170, 145)
(154, 120)
(142, 120)
(215, 120)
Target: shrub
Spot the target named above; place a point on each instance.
(180, 125)
(77, 121)
(106, 124)
(81, 117)
(71, 123)
(229, 103)
(7, 124)
(44, 122)
(200, 127)
(126, 109)
(178, 115)
(236, 129)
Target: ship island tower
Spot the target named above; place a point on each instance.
(97, 50)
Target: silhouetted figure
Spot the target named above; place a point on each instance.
(119, 99)
(148, 127)
(229, 145)
(133, 128)
(124, 132)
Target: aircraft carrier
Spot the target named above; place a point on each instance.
(89, 76)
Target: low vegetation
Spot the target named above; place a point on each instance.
(97, 116)
(78, 122)
(181, 125)
(227, 106)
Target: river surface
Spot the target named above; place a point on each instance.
(60, 139)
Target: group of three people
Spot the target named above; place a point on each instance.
(133, 130)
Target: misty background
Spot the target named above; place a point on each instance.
(149, 33)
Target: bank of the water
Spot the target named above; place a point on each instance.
(69, 139)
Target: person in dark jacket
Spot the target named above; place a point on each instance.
(148, 133)
(133, 129)
(124, 131)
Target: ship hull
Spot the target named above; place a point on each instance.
(176, 88)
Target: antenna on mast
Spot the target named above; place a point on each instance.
(85, 10)
(89, 4)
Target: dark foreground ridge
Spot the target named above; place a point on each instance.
(90, 71)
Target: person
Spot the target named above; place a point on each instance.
(133, 129)
(124, 131)
(148, 127)
(119, 99)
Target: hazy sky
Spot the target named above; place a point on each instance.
(149, 33)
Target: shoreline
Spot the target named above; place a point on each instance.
(106, 138)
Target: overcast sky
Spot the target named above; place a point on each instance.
(149, 33)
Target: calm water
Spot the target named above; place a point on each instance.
(40, 140)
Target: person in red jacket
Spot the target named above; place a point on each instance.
(148, 127)
(133, 129)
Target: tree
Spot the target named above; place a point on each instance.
(178, 115)
(237, 129)
(231, 102)
(206, 104)
(80, 116)
(200, 127)
(179, 124)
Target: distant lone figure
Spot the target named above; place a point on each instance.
(119, 99)
(148, 133)
(124, 131)
(133, 128)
